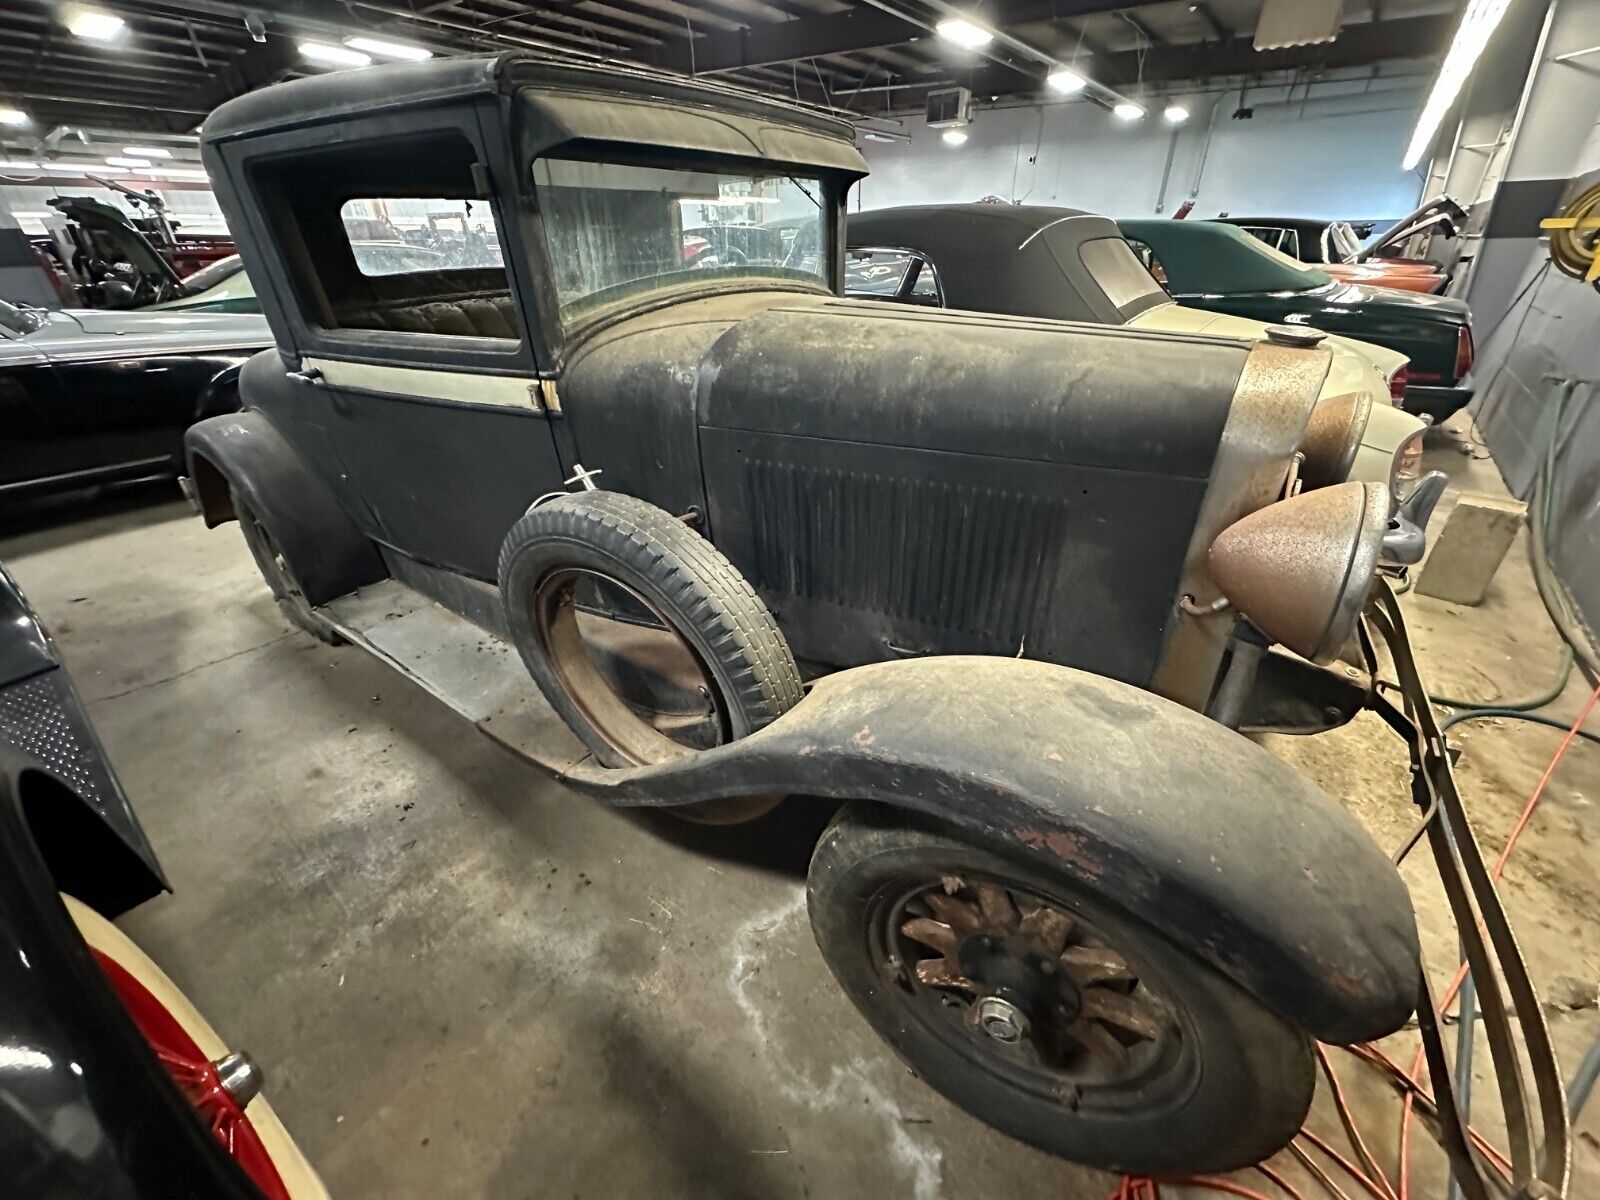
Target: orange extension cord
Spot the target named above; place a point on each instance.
(1371, 1180)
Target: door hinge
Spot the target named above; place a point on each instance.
(544, 396)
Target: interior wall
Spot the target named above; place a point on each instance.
(1329, 150)
(1539, 357)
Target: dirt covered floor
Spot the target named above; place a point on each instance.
(465, 982)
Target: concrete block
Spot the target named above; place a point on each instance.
(1469, 549)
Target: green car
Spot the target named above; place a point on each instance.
(1205, 264)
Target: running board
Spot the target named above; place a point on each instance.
(475, 673)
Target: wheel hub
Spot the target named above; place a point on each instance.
(1029, 979)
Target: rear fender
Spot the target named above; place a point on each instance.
(1187, 826)
(242, 454)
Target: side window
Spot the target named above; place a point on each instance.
(876, 274)
(1147, 256)
(1291, 243)
(926, 290)
(390, 236)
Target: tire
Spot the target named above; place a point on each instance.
(1224, 1083)
(275, 569)
(689, 588)
(297, 1177)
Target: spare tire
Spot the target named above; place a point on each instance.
(591, 556)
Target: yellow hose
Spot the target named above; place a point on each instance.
(1573, 235)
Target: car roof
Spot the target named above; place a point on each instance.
(580, 97)
(989, 258)
(1215, 256)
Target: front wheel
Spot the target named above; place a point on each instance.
(1045, 1013)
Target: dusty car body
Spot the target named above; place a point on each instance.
(106, 1066)
(89, 397)
(1011, 554)
(1211, 265)
(1069, 265)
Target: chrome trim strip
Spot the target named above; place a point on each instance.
(460, 387)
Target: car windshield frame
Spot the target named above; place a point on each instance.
(818, 183)
(19, 321)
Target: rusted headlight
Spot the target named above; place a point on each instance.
(1332, 438)
(1300, 570)
(1407, 468)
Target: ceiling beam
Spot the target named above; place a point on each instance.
(263, 63)
(787, 41)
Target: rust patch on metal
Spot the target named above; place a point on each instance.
(1070, 848)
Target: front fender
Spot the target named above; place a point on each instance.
(1188, 826)
(243, 454)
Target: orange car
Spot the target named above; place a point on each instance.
(1335, 247)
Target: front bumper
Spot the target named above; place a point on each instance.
(1435, 402)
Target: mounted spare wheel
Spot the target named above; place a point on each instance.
(643, 636)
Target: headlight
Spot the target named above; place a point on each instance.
(1332, 438)
(1407, 468)
(1300, 570)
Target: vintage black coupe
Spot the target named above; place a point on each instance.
(699, 537)
(111, 1082)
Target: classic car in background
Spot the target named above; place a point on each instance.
(1068, 265)
(654, 491)
(225, 287)
(1221, 268)
(89, 397)
(111, 1082)
(1386, 261)
(107, 259)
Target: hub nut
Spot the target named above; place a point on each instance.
(1000, 1019)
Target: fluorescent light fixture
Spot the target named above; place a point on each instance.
(117, 160)
(964, 33)
(385, 49)
(333, 56)
(1472, 35)
(17, 164)
(1127, 110)
(1065, 81)
(13, 116)
(95, 25)
(1175, 114)
(955, 137)
(877, 137)
(147, 151)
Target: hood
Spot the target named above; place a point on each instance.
(74, 332)
(1354, 361)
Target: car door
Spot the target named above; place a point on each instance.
(417, 378)
(140, 400)
(47, 436)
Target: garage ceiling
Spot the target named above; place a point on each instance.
(176, 59)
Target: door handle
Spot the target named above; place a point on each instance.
(309, 375)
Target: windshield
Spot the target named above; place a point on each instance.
(616, 231)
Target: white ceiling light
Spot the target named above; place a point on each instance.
(333, 56)
(13, 116)
(1127, 110)
(955, 137)
(1175, 114)
(95, 25)
(117, 160)
(385, 49)
(966, 34)
(1065, 81)
(147, 151)
(1472, 35)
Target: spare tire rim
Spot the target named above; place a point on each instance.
(639, 735)
(1031, 992)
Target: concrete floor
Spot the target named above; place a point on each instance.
(465, 982)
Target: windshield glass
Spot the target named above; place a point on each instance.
(616, 231)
